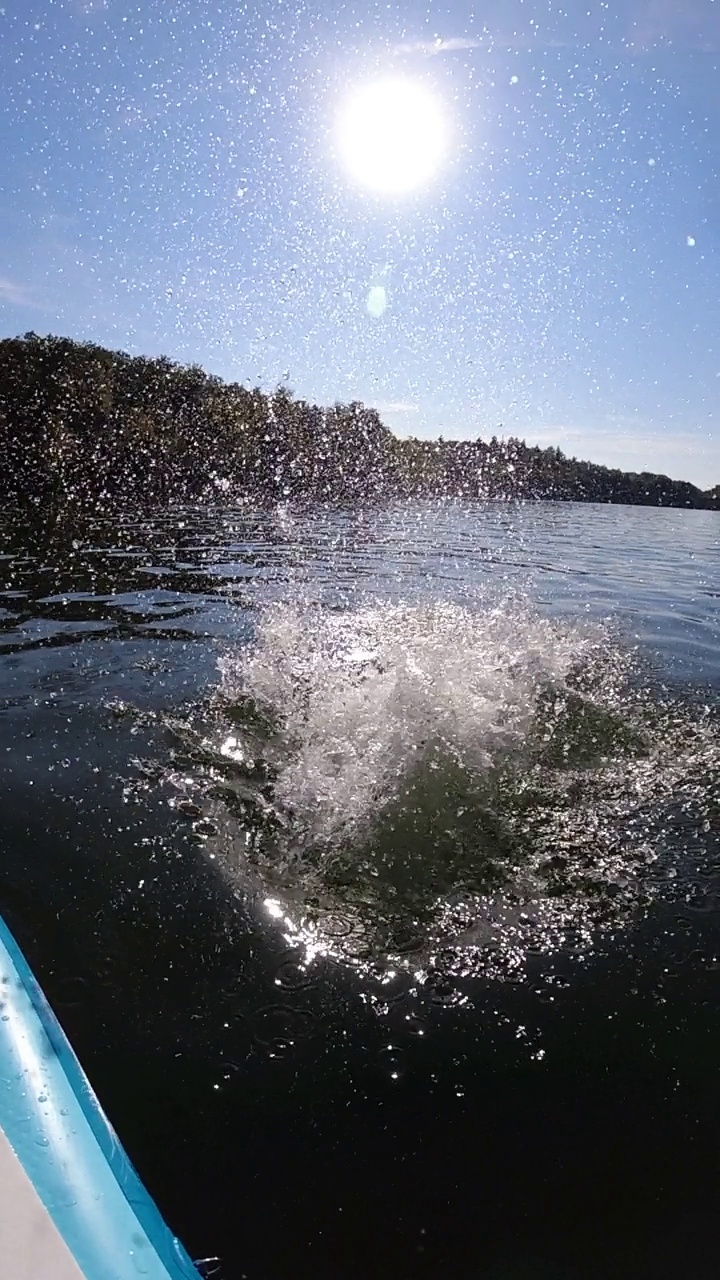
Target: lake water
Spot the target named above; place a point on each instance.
(371, 861)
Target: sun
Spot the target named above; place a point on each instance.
(391, 135)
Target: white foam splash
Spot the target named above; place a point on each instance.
(362, 695)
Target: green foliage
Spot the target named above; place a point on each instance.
(86, 426)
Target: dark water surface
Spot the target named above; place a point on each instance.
(430, 986)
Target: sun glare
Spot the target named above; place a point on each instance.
(391, 135)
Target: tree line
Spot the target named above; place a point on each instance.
(85, 425)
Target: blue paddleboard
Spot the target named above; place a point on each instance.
(71, 1205)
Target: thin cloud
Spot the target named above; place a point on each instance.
(622, 439)
(432, 47)
(685, 455)
(461, 44)
(693, 25)
(396, 406)
(16, 294)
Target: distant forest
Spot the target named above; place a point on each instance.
(100, 428)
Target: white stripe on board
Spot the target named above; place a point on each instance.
(31, 1247)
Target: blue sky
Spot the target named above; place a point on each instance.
(170, 184)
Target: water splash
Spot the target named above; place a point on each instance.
(364, 698)
(401, 780)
